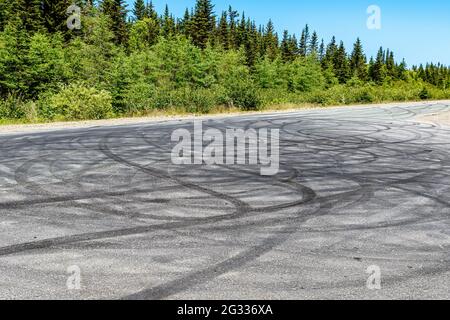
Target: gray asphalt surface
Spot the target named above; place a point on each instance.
(357, 187)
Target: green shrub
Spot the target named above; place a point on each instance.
(163, 99)
(139, 97)
(355, 82)
(365, 96)
(269, 74)
(194, 100)
(244, 95)
(13, 107)
(322, 98)
(191, 100)
(305, 75)
(424, 94)
(76, 102)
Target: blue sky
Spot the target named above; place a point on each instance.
(418, 31)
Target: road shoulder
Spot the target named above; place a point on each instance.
(55, 126)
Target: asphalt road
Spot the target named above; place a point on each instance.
(357, 187)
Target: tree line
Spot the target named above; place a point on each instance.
(42, 62)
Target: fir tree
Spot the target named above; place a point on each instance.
(302, 47)
(314, 44)
(168, 23)
(321, 50)
(54, 14)
(117, 12)
(224, 32)
(358, 61)
(150, 11)
(390, 65)
(203, 23)
(293, 46)
(241, 32)
(401, 70)
(286, 55)
(340, 62)
(378, 72)
(13, 67)
(232, 16)
(304, 42)
(29, 12)
(183, 25)
(330, 53)
(139, 10)
(270, 41)
(251, 44)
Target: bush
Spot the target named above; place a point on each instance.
(185, 100)
(244, 95)
(305, 75)
(77, 102)
(364, 96)
(194, 100)
(139, 97)
(322, 98)
(13, 107)
(239, 88)
(270, 74)
(424, 94)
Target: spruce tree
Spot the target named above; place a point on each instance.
(302, 47)
(203, 23)
(241, 32)
(150, 11)
(117, 12)
(183, 25)
(224, 32)
(54, 13)
(232, 16)
(14, 70)
(378, 71)
(3, 13)
(168, 23)
(251, 44)
(358, 61)
(390, 65)
(321, 50)
(29, 12)
(293, 46)
(139, 10)
(271, 41)
(401, 70)
(330, 53)
(314, 44)
(285, 50)
(288, 47)
(304, 42)
(340, 62)
(370, 69)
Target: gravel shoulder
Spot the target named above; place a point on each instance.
(55, 126)
(440, 118)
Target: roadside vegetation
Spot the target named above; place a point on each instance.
(140, 62)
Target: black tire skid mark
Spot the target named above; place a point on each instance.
(21, 176)
(177, 285)
(392, 224)
(197, 277)
(241, 209)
